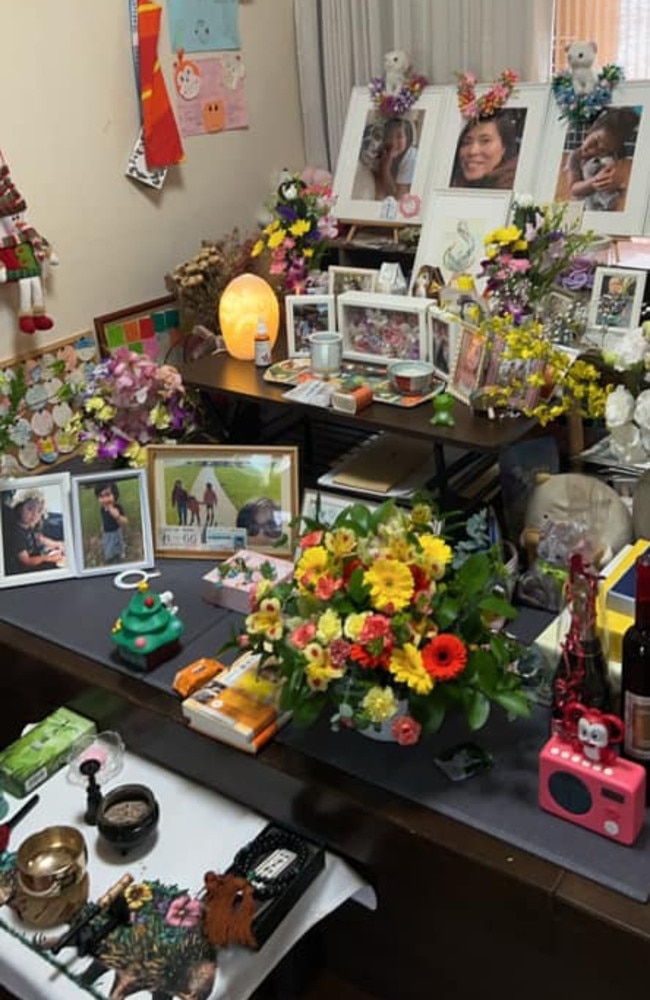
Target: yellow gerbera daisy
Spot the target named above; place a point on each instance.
(406, 667)
(391, 584)
(435, 555)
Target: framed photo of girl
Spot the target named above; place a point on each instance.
(601, 164)
(307, 314)
(383, 164)
(111, 522)
(209, 501)
(616, 299)
(499, 152)
(36, 543)
(468, 364)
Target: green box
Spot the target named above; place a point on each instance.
(34, 757)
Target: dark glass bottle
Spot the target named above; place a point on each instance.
(581, 674)
(635, 677)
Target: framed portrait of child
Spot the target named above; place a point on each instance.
(36, 542)
(111, 522)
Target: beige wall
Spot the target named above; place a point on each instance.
(69, 120)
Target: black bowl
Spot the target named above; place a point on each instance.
(127, 816)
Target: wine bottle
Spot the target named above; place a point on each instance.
(581, 674)
(635, 676)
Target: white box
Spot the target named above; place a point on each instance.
(228, 585)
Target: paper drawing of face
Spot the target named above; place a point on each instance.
(187, 77)
(202, 32)
(214, 116)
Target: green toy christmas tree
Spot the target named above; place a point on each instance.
(148, 631)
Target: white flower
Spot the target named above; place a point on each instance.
(619, 408)
(642, 410)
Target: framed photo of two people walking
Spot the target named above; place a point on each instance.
(212, 500)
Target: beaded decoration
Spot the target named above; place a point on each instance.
(249, 858)
(473, 107)
(579, 108)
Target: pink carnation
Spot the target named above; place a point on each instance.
(303, 634)
(406, 730)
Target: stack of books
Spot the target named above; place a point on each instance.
(239, 706)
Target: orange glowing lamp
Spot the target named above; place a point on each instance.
(246, 301)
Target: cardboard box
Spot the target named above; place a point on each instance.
(34, 757)
(228, 585)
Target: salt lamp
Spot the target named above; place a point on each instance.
(247, 301)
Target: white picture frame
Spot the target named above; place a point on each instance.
(616, 299)
(43, 549)
(443, 329)
(127, 545)
(454, 228)
(628, 218)
(351, 279)
(307, 314)
(331, 504)
(380, 328)
(525, 112)
(358, 198)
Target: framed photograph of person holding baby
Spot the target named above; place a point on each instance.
(384, 163)
(36, 542)
(600, 164)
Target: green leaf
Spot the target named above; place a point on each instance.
(447, 612)
(514, 702)
(487, 670)
(497, 606)
(478, 710)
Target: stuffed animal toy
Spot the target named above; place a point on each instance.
(581, 57)
(24, 256)
(397, 65)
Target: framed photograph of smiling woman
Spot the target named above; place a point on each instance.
(384, 163)
(500, 152)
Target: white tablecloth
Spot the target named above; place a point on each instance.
(199, 830)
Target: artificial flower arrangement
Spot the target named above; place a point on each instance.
(474, 107)
(584, 107)
(380, 624)
(127, 402)
(394, 105)
(527, 259)
(300, 226)
(199, 282)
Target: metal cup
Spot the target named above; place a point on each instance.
(326, 352)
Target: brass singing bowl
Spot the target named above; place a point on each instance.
(51, 860)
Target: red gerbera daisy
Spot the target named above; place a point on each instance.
(445, 656)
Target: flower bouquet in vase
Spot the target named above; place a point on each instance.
(380, 625)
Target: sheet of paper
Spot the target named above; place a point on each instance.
(210, 93)
(203, 25)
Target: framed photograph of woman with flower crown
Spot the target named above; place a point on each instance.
(491, 151)
(384, 162)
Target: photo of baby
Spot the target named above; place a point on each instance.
(597, 160)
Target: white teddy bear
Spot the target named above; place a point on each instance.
(581, 57)
(396, 70)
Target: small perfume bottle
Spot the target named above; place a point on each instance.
(262, 345)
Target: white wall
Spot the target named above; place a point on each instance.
(69, 120)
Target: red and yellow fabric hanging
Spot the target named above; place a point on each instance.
(162, 141)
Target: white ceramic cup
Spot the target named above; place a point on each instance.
(326, 353)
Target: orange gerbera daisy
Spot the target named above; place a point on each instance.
(445, 657)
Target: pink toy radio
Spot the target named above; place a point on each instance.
(583, 780)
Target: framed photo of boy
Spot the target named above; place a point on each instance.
(497, 153)
(378, 328)
(384, 164)
(111, 522)
(443, 329)
(209, 501)
(36, 543)
(616, 299)
(602, 163)
(307, 314)
(468, 364)
(351, 279)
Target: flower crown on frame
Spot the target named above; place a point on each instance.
(577, 108)
(394, 105)
(473, 107)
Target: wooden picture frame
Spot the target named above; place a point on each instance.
(380, 328)
(521, 123)
(442, 331)
(357, 186)
(36, 539)
(307, 314)
(454, 227)
(351, 279)
(151, 328)
(468, 364)
(106, 541)
(616, 299)
(564, 173)
(254, 505)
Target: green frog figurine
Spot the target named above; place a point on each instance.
(443, 405)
